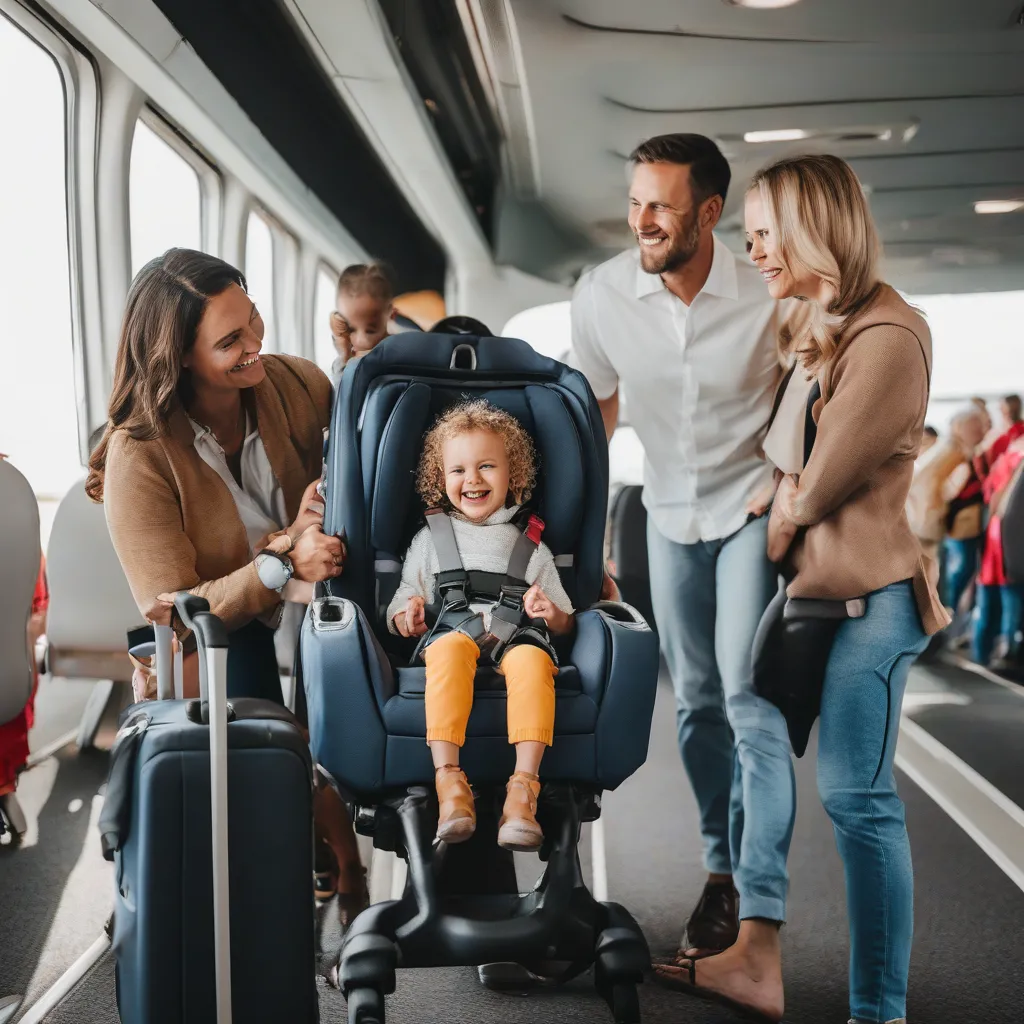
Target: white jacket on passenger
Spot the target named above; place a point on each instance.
(484, 547)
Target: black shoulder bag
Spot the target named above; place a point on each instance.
(794, 640)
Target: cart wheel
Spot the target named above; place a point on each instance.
(625, 1004)
(365, 1006)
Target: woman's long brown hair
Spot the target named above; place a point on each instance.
(165, 303)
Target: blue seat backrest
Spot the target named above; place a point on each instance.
(389, 398)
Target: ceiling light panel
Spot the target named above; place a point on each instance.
(761, 5)
(999, 205)
(776, 135)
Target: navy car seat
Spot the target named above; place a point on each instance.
(365, 701)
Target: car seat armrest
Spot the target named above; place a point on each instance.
(341, 625)
(621, 612)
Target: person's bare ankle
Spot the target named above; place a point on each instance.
(717, 879)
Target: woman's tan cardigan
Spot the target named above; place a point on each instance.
(852, 493)
(173, 520)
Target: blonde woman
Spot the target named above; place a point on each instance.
(839, 529)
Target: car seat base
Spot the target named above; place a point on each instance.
(559, 921)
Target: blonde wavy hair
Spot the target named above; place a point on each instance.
(463, 418)
(822, 224)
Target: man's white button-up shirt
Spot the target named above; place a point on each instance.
(697, 382)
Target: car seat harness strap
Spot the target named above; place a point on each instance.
(456, 588)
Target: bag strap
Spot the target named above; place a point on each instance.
(810, 426)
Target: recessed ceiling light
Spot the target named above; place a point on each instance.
(761, 4)
(778, 135)
(999, 205)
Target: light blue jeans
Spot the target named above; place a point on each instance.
(860, 719)
(708, 600)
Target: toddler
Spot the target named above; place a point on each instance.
(478, 469)
(363, 310)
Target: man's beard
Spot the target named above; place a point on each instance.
(679, 252)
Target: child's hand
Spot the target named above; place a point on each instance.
(413, 621)
(538, 605)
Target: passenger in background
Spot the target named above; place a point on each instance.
(207, 471)
(14, 748)
(945, 505)
(685, 329)
(839, 529)
(1011, 428)
(364, 307)
(999, 602)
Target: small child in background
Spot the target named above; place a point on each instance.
(363, 309)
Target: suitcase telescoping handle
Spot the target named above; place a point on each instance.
(168, 664)
(212, 640)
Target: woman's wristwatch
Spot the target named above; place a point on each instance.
(274, 569)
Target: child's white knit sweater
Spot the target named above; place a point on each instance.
(484, 547)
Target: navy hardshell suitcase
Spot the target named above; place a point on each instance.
(183, 872)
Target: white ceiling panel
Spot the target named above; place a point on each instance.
(944, 79)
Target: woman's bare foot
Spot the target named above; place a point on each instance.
(748, 974)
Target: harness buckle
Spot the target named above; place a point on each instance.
(511, 596)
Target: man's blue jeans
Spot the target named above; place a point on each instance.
(860, 716)
(708, 600)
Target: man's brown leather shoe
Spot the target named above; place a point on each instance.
(715, 921)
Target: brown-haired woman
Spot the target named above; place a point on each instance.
(207, 471)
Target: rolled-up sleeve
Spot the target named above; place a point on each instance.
(587, 354)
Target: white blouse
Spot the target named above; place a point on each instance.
(784, 443)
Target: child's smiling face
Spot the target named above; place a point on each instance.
(476, 473)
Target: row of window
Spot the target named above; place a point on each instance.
(171, 190)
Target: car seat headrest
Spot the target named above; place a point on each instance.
(392, 448)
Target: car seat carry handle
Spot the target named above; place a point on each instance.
(212, 640)
(470, 354)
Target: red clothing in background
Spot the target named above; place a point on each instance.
(992, 570)
(985, 463)
(14, 734)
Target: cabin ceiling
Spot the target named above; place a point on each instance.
(925, 98)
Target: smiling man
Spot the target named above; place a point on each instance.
(687, 330)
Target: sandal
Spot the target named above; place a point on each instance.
(353, 893)
(325, 872)
(691, 988)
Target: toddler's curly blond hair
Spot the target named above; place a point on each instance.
(477, 414)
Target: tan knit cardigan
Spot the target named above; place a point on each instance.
(852, 493)
(173, 520)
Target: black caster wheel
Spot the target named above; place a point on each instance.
(365, 1006)
(625, 1004)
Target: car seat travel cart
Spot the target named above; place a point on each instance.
(365, 702)
(558, 921)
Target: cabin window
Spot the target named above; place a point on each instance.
(38, 406)
(259, 275)
(164, 199)
(323, 305)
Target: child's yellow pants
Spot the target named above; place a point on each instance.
(529, 679)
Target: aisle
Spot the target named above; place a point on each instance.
(967, 918)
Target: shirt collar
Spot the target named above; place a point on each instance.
(204, 435)
(722, 280)
(503, 515)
